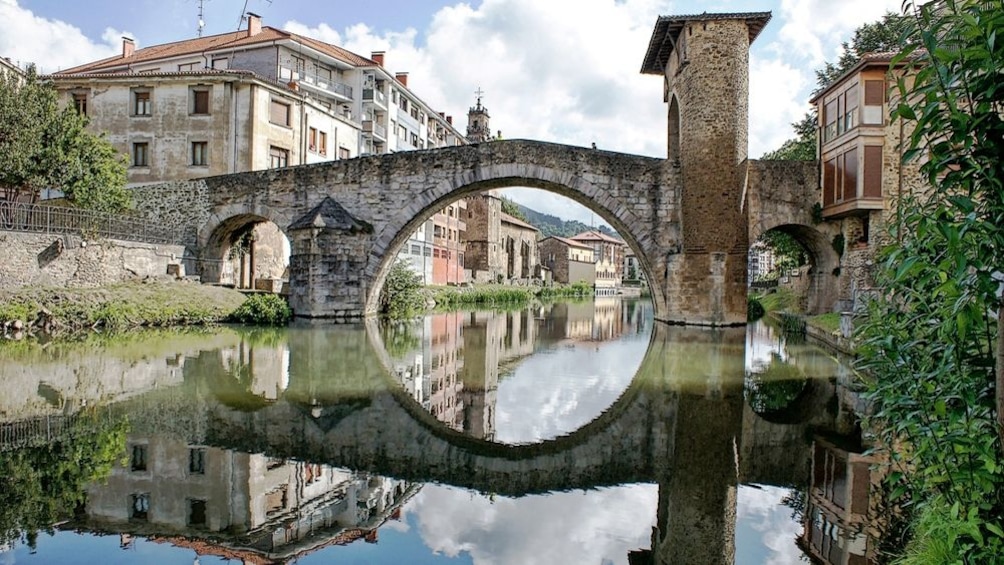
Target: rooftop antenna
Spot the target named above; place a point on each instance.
(202, 21)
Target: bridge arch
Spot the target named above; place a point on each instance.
(257, 236)
(577, 187)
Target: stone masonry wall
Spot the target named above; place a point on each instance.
(42, 260)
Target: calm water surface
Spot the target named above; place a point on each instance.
(569, 433)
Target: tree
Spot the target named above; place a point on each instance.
(883, 35)
(928, 342)
(511, 208)
(47, 146)
(802, 147)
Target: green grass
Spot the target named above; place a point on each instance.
(121, 306)
(829, 322)
(781, 300)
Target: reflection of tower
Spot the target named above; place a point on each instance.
(480, 375)
(477, 122)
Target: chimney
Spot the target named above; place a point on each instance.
(377, 57)
(449, 120)
(254, 24)
(402, 78)
(128, 46)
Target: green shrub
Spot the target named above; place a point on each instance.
(401, 295)
(262, 309)
(754, 309)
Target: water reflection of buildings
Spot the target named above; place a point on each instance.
(836, 521)
(453, 369)
(237, 505)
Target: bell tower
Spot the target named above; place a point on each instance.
(478, 130)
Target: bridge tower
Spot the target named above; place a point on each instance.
(704, 60)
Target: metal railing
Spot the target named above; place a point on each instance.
(36, 218)
(327, 83)
(33, 432)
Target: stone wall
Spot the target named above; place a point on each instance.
(68, 261)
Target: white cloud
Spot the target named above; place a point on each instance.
(51, 44)
(608, 524)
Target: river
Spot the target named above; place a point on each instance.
(573, 432)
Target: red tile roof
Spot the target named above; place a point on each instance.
(594, 235)
(516, 221)
(569, 242)
(216, 43)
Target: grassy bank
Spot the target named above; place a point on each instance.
(57, 310)
(502, 295)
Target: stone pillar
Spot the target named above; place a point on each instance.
(329, 250)
(705, 63)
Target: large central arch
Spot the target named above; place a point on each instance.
(599, 199)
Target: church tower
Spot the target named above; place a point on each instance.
(477, 122)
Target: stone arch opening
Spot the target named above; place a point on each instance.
(514, 267)
(674, 130)
(246, 251)
(773, 263)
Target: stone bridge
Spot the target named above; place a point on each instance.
(688, 218)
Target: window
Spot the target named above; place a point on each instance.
(80, 102)
(404, 104)
(141, 103)
(299, 65)
(200, 101)
(137, 461)
(221, 63)
(850, 107)
(874, 97)
(278, 157)
(830, 120)
(200, 153)
(187, 67)
(196, 512)
(141, 154)
(322, 142)
(416, 250)
(428, 252)
(872, 174)
(140, 506)
(197, 460)
(312, 139)
(279, 113)
(343, 153)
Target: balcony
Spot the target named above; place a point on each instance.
(340, 90)
(376, 130)
(376, 97)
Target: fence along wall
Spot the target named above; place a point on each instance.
(48, 246)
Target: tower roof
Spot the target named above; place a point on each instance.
(668, 28)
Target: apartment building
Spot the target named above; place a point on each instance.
(253, 99)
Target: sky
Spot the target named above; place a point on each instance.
(565, 71)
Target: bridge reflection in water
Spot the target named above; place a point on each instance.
(282, 442)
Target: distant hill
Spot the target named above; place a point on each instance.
(552, 225)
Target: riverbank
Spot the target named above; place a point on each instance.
(54, 311)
